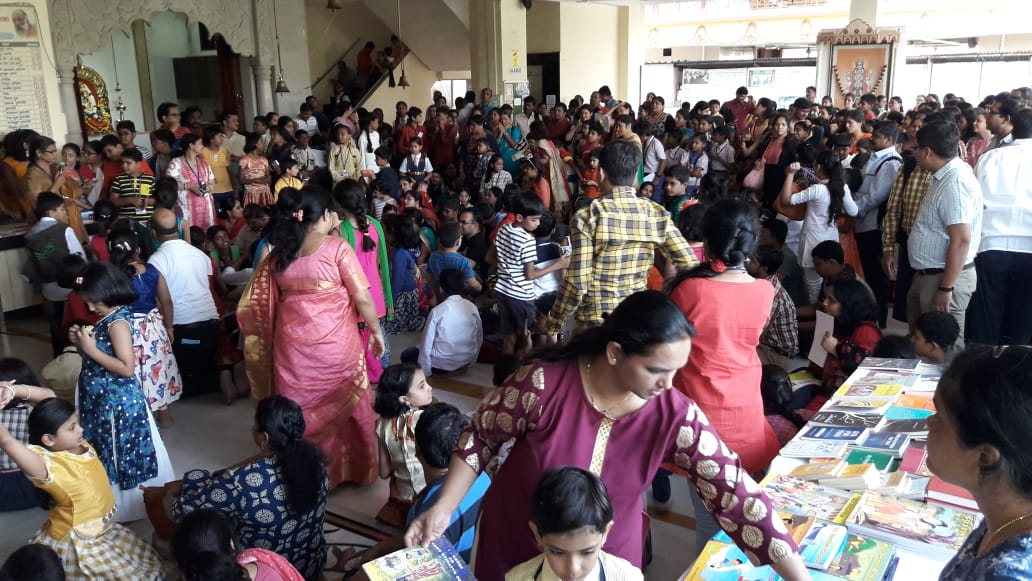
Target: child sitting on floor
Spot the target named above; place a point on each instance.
(16, 492)
(856, 329)
(776, 390)
(572, 517)
(453, 332)
(935, 335)
(401, 394)
(62, 464)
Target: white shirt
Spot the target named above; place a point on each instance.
(722, 155)
(310, 125)
(186, 270)
(1005, 174)
(954, 197)
(369, 159)
(816, 228)
(452, 336)
(654, 155)
(52, 291)
(235, 144)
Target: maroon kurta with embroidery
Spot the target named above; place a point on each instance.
(544, 407)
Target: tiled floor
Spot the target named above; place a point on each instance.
(210, 435)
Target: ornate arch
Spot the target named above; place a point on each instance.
(84, 26)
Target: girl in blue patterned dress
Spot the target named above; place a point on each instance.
(114, 414)
(156, 367)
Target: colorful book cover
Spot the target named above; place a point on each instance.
(814, 449)
(795, 496)
(898, 412)
(846, 419)
(883, 377)
(941, 491)
(862, 559)
(865, 390)
(914, 401)
(914, 460)
(816, 470)
(890, 363)
(832, 433)
(720, 561)
(885, 442)
(926, 528)
(798, 525)
(438, 562)
(884, 462)
(822, 544)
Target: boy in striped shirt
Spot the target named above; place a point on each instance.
(132, 190)
(515, 252)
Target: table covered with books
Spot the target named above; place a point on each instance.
(853, 488)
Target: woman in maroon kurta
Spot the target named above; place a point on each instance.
(603, 403)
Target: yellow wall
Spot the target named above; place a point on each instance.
(589, 55)
(418, 94)
(543, 28)
(328, 39)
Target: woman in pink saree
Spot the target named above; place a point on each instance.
(299, 316)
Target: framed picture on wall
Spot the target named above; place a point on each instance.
(859, 69)
(760, 77)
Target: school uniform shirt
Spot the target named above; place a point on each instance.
(310, 125)
(127, 186)
(452, 336)
(186, 270)
(608, 568)
(721, 156)
(547, 253)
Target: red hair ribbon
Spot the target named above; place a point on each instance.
(717, 265)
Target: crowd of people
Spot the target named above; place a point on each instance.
(599, 254)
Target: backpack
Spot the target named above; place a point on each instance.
(47, 250)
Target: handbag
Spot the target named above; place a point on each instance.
(792, 212)
(754, 180)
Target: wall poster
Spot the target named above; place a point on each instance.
(859, 69)
(22, 64)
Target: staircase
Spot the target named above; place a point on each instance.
(443, 47)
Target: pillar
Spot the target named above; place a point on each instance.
(263, 87)
(866, 10)
(66, 84)
(631, 46)
(149, 121)
(498, 43)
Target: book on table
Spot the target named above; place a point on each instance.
(914, 459)
(889, 363)
(814, 449)
(847, 419)
(915, 401)
(818, 470)
(943, 492)
(795, 496)
(887, 443)
(929, 529)
(439, 562)
(832, 433)
(867, 390)
(854, 477)
(858, 406)
(884, 462)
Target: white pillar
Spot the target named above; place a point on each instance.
(66, 84)
(263, 87)
(866, 10)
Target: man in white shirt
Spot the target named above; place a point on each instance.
(306, 120)
(234, 139)
(195, 323)
(946, 234)
(453, 332)
(1001, 312)
(879, 175)
(45, 264)
(998, 120)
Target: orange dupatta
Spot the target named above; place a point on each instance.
(256, 315)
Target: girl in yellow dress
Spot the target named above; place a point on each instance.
(80, 528)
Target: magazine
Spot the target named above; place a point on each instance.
(890, 363)
(847, 419)
(438, 562)
(723, 561)
(862, 559)
(808, 498)
(927, 528)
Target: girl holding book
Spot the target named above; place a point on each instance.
(856, 329)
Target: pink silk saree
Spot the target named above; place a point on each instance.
(301, 341)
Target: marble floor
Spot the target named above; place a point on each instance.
(211, 435)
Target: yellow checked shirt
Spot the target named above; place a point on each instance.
(901, 208)
(614, 244)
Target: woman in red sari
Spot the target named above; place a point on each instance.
(603, 403)
(299, 315)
